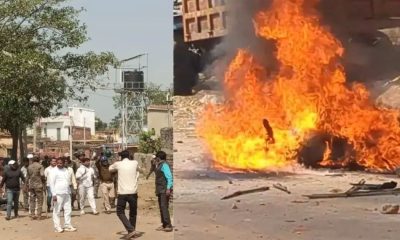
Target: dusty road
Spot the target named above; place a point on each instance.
(274, 215)
(103, 226)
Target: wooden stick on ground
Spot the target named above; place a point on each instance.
(355, 188)
(281, 187)
(239, 193)
(355, 194)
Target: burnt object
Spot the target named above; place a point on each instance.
(239, 193)
(270, 132)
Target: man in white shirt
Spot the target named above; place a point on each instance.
(60, 181)
(128, 176)
(53, 164)
(85, 176)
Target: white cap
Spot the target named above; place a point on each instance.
(154, 156)
(66, 154)
(11, 162)
(30, 156)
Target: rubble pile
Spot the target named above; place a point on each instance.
(187, 108)
(166, 139)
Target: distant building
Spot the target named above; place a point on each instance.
(159, 116)
(58, 128)
(5, 144)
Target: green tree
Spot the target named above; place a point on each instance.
(38, 69)
(148, 143)
(100, 125)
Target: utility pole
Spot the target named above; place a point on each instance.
(123, 120)
(84, 131)
(34, 136)
(70, 137)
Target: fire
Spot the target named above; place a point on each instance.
(307, 94)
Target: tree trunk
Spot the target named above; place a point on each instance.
(21, 145)
(14, 134)
(25, 137)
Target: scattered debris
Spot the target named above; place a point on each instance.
(361, 189)
(386, 185)
(202, 175)
(299, 201)
(290, 221)
(335, 175)
(234, 206)
(239, 193)
(179, 141)
(355, 187)
(336, 190)
(281, 187)
(390, 209)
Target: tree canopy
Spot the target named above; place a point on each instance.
(38, 66)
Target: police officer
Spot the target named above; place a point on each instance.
(36, 185)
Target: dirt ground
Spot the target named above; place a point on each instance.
(275, 215)
(103, 226)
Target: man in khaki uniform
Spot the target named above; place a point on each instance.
(36, 185)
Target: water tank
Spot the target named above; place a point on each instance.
(133, 80)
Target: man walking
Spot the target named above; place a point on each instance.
(85, 176)
(11, 178)
(164, 185)
(36, 181)
(60, 182)
(47, 171)
(106, 182)
(128, 175)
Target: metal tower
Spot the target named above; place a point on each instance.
(130, 84)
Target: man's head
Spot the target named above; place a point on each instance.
(124, 154)
(161, 155)
(35, 159)
(30, 156)
(60, 163)
(25, 162)
(104, 161)
(53, 162)
(85, 162)
(12, 164)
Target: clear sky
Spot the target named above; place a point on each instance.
(128, 28)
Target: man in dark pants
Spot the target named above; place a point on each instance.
(128, 176)
(164, 184)
(11, 177)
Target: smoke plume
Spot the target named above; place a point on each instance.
(370, 55)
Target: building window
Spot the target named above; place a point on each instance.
(58, 134)
(45, 132)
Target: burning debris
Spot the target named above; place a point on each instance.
(306, 96)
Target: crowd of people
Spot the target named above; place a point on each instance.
(62, 182)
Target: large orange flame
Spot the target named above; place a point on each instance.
(307, 94)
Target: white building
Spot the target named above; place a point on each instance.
(159, 116)
(57, 128)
